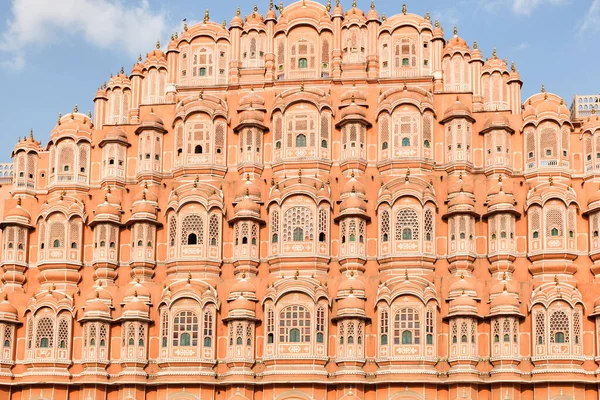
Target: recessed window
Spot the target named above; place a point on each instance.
(301, 140)
(405, 62)
(302, 63)
(530, 154)
(548, 152)
(202, 71)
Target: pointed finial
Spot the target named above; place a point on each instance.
(255, 8)
(224, 24)
(189, 277)
(157, 44)
(19, 201)
(122, 72)
(437, 23)
(494, 54)
(543, 88)
(90, 114)
(281, 7)
(427, 16)
(512, 67)
(354, 4)
(551, 181)
(404, 8)
(383, 18)
(31, 134)
(185, 27)
(59, 117)
(328, 6)
(270, 4)
(475, 45)
(372, 4)
(455, 31)
(302, 86)
(76, 108)
(296, 274)
(406, 274)
(206, 16)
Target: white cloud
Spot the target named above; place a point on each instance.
(526, 7)
(522, 46)
(591, 21)
(519, 7)
(115, 24)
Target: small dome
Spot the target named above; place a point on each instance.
(108, 208)
(502, 198)
(115, 133)
(252, 99)
(236, 21)
(248, 189)
(461, 285)
(7, 310)
(146, 195)
(242, 303)
(351, 284)
(137, 290)
(497, 121)
(461, 199)
(353, 185)
(18, 212)
(135, 305)
(243, 286)
(456, 44)
(97, 307)
(503, 286)
(463, 300)
(351, 302)
(353, 203)
(247, 206)
(152, 119)
(457, 110)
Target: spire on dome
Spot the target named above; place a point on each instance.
(475, 45)
(206, 16)
(185, 27)
(427, 16)
(455, 31)
(372, 4)
(157, 44)
(404, 8)
(512, 67)
(494, 54)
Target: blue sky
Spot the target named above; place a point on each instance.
(55, 54)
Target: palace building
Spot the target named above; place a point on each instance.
(309, 203)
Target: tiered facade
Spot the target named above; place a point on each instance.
(309, 204)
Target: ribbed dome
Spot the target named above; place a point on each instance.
(351, 302)
(353, 202)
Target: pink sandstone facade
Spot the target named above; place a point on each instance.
(307, 204)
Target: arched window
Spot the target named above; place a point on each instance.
(294, 322)
(406, 234)
(185, 329)
(554, 232)
(275, 238)
(56, 244)
(198, 149)
(405, 142)
(407, 327)
(298, 234)
(302, 63)
(301, 140)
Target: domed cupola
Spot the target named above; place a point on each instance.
(246, 225)
(76, 126)
(350, 321)
(353, 126)
(251, 129)
(456, 45)
(353, 219)
(241, 322)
